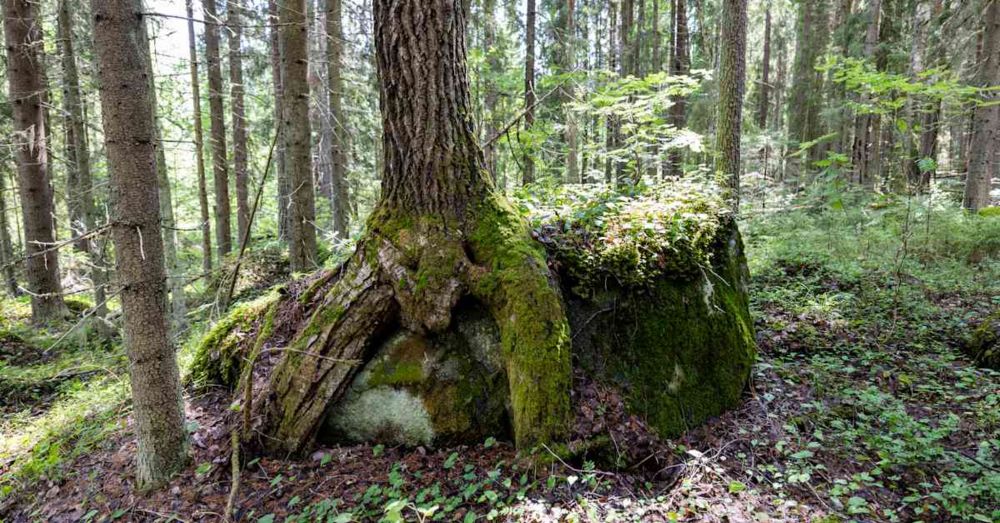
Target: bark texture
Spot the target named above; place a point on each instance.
(6, 246)
(680, 64)
(440, 233)
(866, 126)
(529, 87)
(23, 37)
(765, 75)
(199, 146)
(130, 140)
(220, 166)
(279, 155)
(984, 153)
(732, 78)
(296, 133)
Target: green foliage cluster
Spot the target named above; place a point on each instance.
(597, 233)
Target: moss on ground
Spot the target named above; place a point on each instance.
(984, 344)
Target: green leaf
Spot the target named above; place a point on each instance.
(735, 487)
(266, 519)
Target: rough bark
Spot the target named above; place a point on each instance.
(236, 101)
(296, 133)
(984, 152)
(565, 64)
(341, 201)
(130, 141)
(807, 84)
(79, 187)
(220, 166)
(279, 154)
(732, 78)
(440, 232)
(199, 146)
(680, 64)
(614, 59)
(529, 87)
(23, 33)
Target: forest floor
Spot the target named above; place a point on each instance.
(861, 407)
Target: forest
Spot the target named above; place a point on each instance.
(500, 260)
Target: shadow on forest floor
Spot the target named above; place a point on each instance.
(861, 407)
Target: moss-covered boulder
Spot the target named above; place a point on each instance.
(984, 344)
(423, 389)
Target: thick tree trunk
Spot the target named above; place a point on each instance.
(199, 146)
(732, 78)
(6, 246)
(296, 133)
(80, 187)
(807, 84)
(440, 233)
(680, 64)
(984, 153)
(866, 127)
(341, 201)
(220, 166)
(130, 140)
(23, 32)
(566, 37)
(236, 100)
(529, 88)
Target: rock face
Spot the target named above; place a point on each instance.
(681, 349)
(420, 390)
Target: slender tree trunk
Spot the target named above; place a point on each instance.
(236, 97)
(529, 88)
(199, 146)
(279, 156)
(296, 129)
(220, 166)
(765, 75)
(341, 196)
(6, 246)
(80, 187)
(565, 34)
(865, 127)
(732, 78)
(614, 59)
(984, 154)
(130, 140)
(680, 64)
(23, 32)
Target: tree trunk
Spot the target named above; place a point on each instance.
(279, 156)
(440, 233)
(220, 167)
(24, 72)
(984, 153)
(130, 140)
(807, 84)
(199, 146)
(338, 164)
(236, 100)
(6, 247)
(80, 192)
(611, 121)
(296, 133)
(529, 88)
(175, 276)
(680, 64)
(732, 77)
(765, 75)
(865, 127)
(565, 63)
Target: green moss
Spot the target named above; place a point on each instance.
(219, 355)
(990, 212)
(534, 330)
(984, 344)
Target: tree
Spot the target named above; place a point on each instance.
(220, 168)
(279, 155)
(866, 126)
(807, 83)
(440, 232)
(199, 145)
(680, 64)
(338, 163)
(130, 141)
(984, 154)
(565, 62)
(732, 78)
(236, 90)
(765, 75)
(23, 34)
(296, 133)
(79, 179)
(6, 248)
(529, 87)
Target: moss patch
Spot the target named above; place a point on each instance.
(984, 344)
